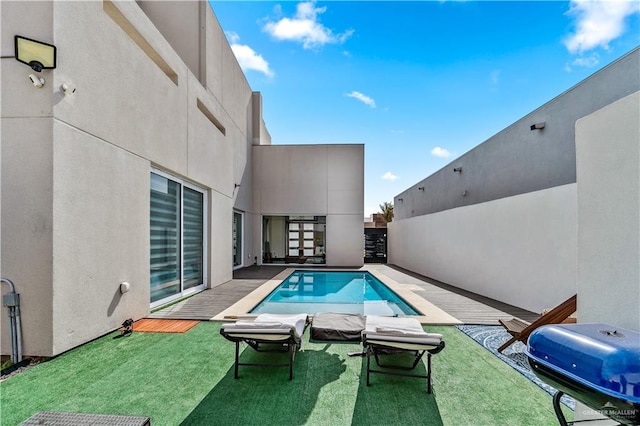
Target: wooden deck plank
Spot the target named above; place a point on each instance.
(150, 325)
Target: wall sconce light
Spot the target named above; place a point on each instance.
(421, 188)
(538, 126)
(124, 287)
(68, 89)
(38, 55)
(400, 199)
(457, 169)
(464, 193)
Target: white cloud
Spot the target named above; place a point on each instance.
(440, 152)
(389, 176)
(250, 60)
(362, 98)
(588, 61)
(232, 36)
(305, 28)
(598, 22)
(247, 57)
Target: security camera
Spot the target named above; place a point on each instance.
(68, 89)
(538, 126)
(37, 81)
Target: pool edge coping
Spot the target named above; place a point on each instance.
(434, 316)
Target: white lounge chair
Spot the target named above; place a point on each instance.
(284, 331)
(389, 335)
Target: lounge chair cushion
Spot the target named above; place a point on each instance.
(399, 332)
(337, 327)
(276, 325)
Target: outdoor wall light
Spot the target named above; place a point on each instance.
(421, 188)
(38, 55)
(400, 199)
(457, 169)
(538, 126)
(68, 89)
(124, 287)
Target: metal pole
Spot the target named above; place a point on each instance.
(18, 325)
(12, 301)
(13, 331)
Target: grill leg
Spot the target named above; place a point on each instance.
(235, 367)
(428, 373)
(558, 410)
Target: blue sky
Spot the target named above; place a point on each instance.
(420, 82)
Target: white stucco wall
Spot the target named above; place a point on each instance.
(76, 169)
(100, 237)
(608, 168)
(520, 250)
(27, 222)
(321, 180)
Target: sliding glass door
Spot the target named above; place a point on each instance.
(177, 238)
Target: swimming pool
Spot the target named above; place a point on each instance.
(355, 292)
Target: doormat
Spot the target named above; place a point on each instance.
(150, 325)
(491, 337)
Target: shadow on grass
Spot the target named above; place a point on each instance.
(394, 399)
(265, 395)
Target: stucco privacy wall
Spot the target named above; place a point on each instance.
(608, 165)
(319, 180)
(517, 159)
(519, 250)
(75, 169)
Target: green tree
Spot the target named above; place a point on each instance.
(386, 209)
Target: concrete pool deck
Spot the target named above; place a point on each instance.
(431, 314)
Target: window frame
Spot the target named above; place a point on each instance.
(205, 245)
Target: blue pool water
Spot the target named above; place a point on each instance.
(356, 292)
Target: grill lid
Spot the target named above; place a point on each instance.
(599, 356)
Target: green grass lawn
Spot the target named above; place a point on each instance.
(187, 379)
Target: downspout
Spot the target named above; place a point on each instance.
(12, 301)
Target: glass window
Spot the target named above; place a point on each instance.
(193, 235)
(294, 239)
(237, 239)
